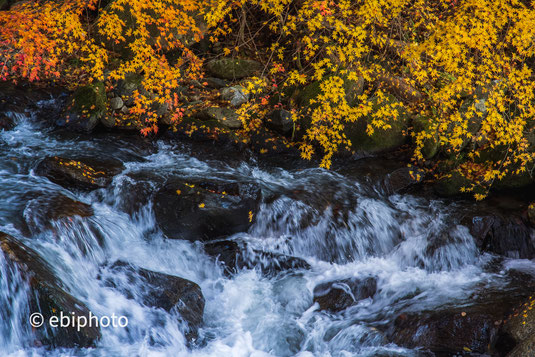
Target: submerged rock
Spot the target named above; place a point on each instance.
(81, 174)
(205, 210)
(338, 295)
(49, 298)
(162, 291)
(237, 256)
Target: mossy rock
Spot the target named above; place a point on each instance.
(451, 186)
(303, 96)
(86, 107)
(431, 145)
(91, 98)
(382, 139)
(233, 68)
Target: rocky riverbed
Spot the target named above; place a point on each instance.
(212, 249)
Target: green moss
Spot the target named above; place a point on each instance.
(233, 68)
(431, 145)
(381, 140)
(90, 98)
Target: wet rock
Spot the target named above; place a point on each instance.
(49, 298)
(236, 95)
(470, 329)
(41, 211)
(81, 174)
(507, 235)
(86, 107)
(531, 214)
(226, 117)
(237, 255)
(517, 335)
(6, 123)
(280, 121)
(162, 291)
(205, 210)
(233, 68)
(338, 295)
(402, 179)
(133, 193)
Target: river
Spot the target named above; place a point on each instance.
(341, 222)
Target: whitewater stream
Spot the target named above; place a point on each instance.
(343, 224)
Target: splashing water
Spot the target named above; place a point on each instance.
(419, 255)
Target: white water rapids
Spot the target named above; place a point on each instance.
(342, 226)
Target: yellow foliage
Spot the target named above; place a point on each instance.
(464, 65)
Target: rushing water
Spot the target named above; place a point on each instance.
(343, 226)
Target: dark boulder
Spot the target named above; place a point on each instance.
(477, 328)
(267, 143)
(6, 123)
(517, 335)
(447, 333)
(81, 174)
(281, 121)
(48, 297)
(134, 191)
(236, 255)
(506, 235)
(162, 291)
(205, 210)
(42, 210)
(338, 295)
(402, 179)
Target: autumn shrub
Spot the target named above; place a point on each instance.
(462, 69)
